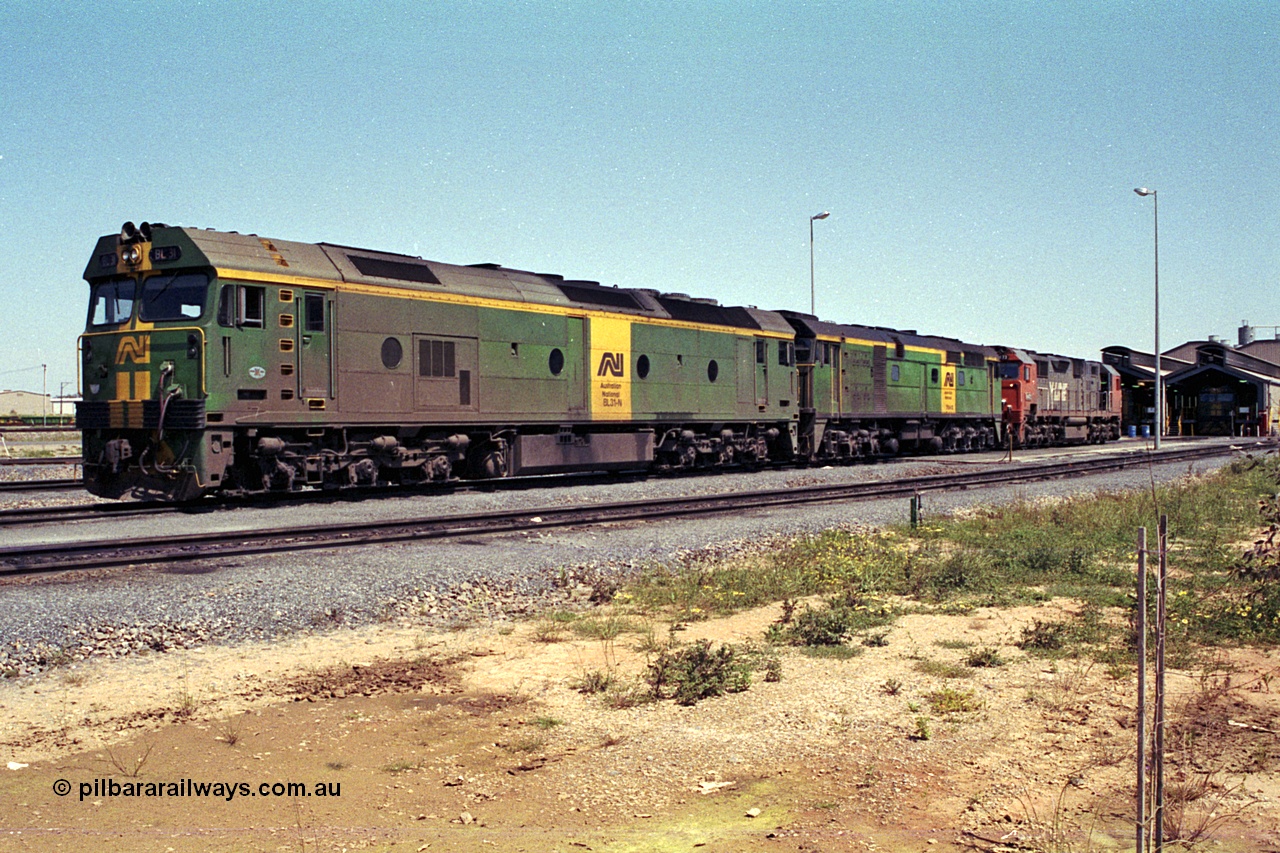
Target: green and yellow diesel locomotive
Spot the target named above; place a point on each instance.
(217, 361)
(868, 390)
(225, 362)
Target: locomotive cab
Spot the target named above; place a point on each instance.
(1017, 394)
(142, 363)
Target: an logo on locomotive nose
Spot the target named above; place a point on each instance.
(610, 364)
(136, 349)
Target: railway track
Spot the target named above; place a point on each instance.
(45, 485)
(36, 461)
(108, 553)
(17, 487)
(31, 516)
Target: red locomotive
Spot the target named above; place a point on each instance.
(1054, 399)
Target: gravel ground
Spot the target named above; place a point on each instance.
(49, 621)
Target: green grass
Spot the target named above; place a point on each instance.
(1081, 549)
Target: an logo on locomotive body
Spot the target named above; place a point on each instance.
(134, 348)
(611, 364)
(610, 384)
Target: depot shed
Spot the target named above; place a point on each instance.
(1225, 392)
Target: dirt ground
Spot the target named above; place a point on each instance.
(474, 740)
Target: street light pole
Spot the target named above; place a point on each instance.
(1155, 208)
(812, 300)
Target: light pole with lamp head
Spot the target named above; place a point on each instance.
(1155, 208)
(812, 300)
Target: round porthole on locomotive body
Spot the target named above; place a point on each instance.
(555, 362)
(392, 353)
(713, 370)
(642, 366)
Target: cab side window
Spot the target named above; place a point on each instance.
(314, 305)
(241, 305)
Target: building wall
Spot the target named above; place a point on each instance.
(25, 403)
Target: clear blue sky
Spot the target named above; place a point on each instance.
(978, 159)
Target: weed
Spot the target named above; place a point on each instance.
(891, 687)
(129, 765)
(564, 617)
(835, 623)
(922, 729)
(648, 642)
(229, 729)
(620, 696)
(984, 657)
(697, 671)
(547, 631)
(592, 681)
(545, 723)
(951, 701)
(832, 652)
(525, 743)
(395, 768)
(788, 611)
(1198, 805)
(941, 669)
(772, 667)
(603, 628)
(880, 639)
(186, 701)
(954, 644)
(1043, 636)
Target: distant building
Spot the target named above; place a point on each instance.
(25, 404)
(1211, 387)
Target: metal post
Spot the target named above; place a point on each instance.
(915, 510)
(1155, 207)
(1142, 690)
(812, 297)
(1161, 543)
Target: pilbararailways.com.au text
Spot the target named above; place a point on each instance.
(110, 788)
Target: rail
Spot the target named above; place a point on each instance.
(37, 558)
